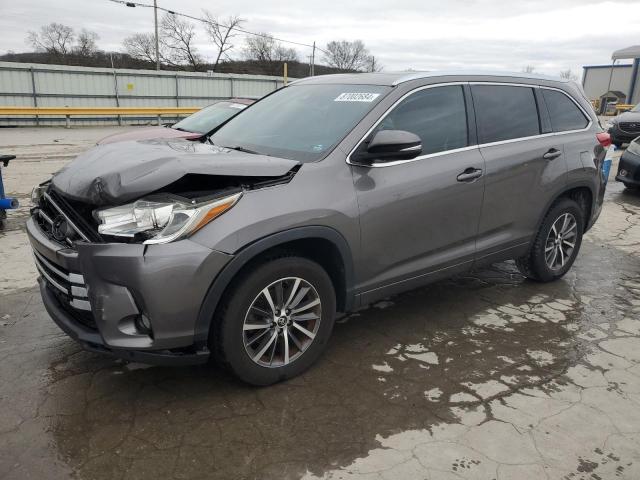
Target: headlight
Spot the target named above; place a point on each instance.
(37, 193)
(161, 218)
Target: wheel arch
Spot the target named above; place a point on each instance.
(581, 192)
(322, 244)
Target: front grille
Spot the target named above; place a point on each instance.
(61, 222)
(630, 127)
(70, 287)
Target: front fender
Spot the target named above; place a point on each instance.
(242, 257)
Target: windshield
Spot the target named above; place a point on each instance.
(300, 122)
(205, 120)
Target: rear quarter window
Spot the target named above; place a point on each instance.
(564, 113)
(505, 112)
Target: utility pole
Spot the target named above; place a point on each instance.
(155, 21)
(313, 60)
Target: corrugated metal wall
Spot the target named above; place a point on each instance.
(596, 80)
(24, 84)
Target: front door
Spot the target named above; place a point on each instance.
(420, 216)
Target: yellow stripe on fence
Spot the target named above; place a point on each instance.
(4, 111)
(623, 107)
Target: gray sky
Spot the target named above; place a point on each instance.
(551, 35)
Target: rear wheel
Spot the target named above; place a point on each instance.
(556, 244)
(275, 321)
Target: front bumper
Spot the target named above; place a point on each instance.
(629, 164)
(99, 293)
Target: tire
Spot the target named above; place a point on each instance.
(535, 264)
(247, 303)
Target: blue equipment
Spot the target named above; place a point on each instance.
(6, 203)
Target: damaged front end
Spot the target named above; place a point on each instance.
(110, 235)
(148, 192)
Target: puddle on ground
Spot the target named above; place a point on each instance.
(482, 376)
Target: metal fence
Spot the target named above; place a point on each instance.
(37, 85)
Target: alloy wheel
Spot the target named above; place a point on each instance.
(561, 241)
(282, 322)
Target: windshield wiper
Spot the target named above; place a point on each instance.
(238, 148)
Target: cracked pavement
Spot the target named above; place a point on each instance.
(485, 376)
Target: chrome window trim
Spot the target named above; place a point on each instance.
(469, 147)
(584, 112)
(387, 112)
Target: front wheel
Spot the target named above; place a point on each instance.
(556, 244)
(276, 320)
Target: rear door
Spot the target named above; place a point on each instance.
(420, 216)
(571, 126)
(525, 165)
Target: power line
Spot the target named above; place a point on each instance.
(198, 19)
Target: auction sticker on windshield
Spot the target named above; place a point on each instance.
(356, 97)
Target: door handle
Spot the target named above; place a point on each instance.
(469, 174)
(551, 154)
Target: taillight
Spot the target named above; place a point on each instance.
(604, 138)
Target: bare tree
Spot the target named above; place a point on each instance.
(221, 33)
(373, 65)
(54, 38)
(141, 46)
(265, 48)
(528, 69)
(178, 37)
(86, 43)
(347, 55)
(568, 75)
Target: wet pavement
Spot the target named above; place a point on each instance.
(485, 376)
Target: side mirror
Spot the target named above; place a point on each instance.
(390, 145)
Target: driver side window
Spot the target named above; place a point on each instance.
(437, 115)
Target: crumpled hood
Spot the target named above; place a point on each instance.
(120, 172)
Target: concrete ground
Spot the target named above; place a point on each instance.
(485, 376)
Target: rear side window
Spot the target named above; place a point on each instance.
(565, 114)
(437, 115)
(504, 112)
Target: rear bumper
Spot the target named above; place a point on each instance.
(100, 294)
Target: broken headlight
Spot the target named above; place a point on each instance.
(161, 218)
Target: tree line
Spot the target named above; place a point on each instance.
(259, 53)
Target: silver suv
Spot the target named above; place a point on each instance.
(320, 198)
